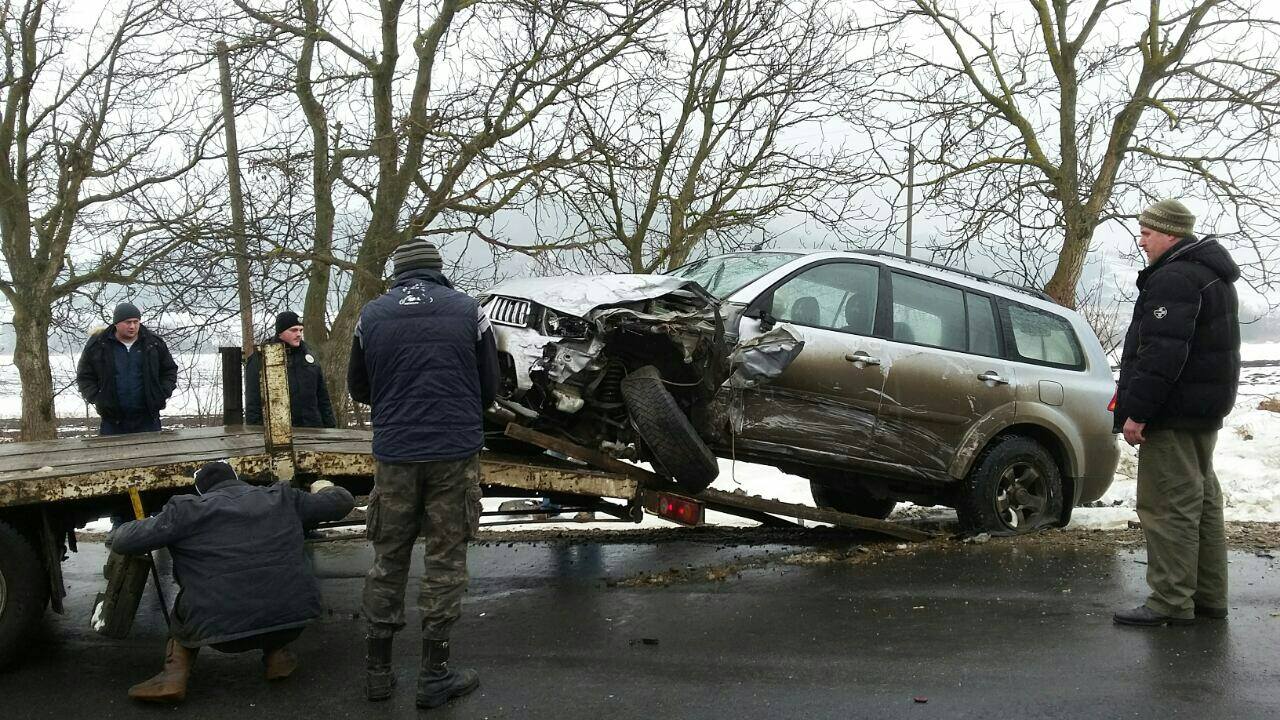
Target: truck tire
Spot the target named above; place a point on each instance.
(853, 499)
(674, 444)
(24, 592)
(1015, 487)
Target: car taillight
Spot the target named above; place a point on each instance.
(1111, 406)
(677, 509)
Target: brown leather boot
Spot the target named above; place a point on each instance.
(280, 663)
(170, 684)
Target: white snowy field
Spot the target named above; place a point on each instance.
(1247, 458)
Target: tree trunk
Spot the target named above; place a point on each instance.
(31, 320)
(1066, 275)
(335, 353)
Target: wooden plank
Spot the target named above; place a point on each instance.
(586, 455)
(16, 449)
(149, 453)
(718, 500)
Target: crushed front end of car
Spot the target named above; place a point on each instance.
(594, 359)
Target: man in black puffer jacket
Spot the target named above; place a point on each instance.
(1178, 377)
(128, 374)
(240, 560)
(309, 403)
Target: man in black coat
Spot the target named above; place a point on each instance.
(308, 397)
(127, 373)
(1178, 377)
(240, 560)
(425, 359)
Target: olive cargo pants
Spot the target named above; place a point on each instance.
(441, 498)
(1180, 506)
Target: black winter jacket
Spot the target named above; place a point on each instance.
(425, 359)
(239, 557)
(309, 403)
(1181, 359)
(96, 375)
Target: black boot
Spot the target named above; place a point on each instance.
(437, 683)
(379, 680)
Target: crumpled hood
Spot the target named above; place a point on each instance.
(580, 294)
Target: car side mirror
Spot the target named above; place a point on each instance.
(767, 320)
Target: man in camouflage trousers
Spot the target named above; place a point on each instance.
(425, 360)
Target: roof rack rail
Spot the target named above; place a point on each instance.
(938, 266)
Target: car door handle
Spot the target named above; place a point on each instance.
(861, 357)
(992, 376)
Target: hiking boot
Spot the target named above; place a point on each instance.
(279, 663)
(379, 680)
(437, 682)
(1144, 616)
(1213, 613)
(170, 684)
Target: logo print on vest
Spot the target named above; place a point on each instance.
(1160, 312)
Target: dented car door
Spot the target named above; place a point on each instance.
(943, 373)
(827, 399)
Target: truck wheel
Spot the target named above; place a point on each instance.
(853, 499)
(24, 591)
(674, 444)
(1015, 487)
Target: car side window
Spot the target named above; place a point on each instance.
(836, 296)
(1042, 337)
(928, 313)
(982, 325)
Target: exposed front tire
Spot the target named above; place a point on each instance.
(674, 445)
(1015, 487)
(851, 498)
(24, 592)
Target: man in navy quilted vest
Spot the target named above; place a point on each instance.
(425, 360)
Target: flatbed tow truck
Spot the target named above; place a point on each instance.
(50, 488)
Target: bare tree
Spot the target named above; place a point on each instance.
(728, 125)
(94, 135)
(1043, 122)
(429, 119)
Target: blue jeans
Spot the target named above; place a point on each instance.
(130, 424)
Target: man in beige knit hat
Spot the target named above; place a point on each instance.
(1178, 378)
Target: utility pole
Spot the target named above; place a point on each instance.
(238, 242)
(911, 185)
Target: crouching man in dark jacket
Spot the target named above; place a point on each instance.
(309, 403)
(239, 558)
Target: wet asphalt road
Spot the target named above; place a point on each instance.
(995, 630)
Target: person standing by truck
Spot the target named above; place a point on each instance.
(1178, 377)
(308, 396)
(127, 373)
(239, 558)
(425, 360)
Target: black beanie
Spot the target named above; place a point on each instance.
(213, 473)
(125, 311)
(417, 254)
(286, 320)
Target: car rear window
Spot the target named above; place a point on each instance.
(1043, 338)
(928, 313)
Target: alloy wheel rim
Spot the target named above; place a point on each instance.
(1021, 496)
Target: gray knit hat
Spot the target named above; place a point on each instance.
(416, 254)
(1168, 216)
(126, 311)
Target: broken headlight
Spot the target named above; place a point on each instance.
(565, 326)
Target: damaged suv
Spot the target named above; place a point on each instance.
(876, 377)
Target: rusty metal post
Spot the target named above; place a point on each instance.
(277, 418)
(232, 385)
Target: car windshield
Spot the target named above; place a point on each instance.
(724, 275)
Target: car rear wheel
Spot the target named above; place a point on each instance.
(851, 498)
(673, 444)
(24, 591)
(1015, 487)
